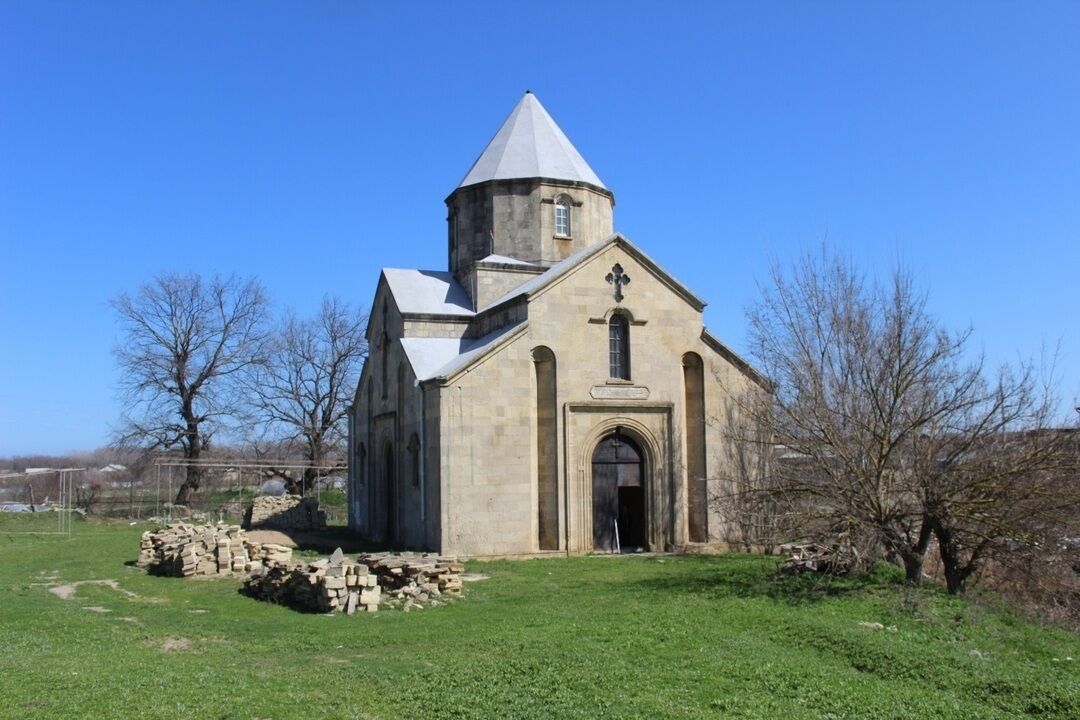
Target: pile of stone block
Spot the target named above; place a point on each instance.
(415, 580)
(331, 585)
(183, 550)
(837, 558)
(285, 512)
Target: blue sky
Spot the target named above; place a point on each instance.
(312, 143)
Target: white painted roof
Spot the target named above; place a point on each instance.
(555, 271)
(442, 357)
(428, 292)
(528, 145)
(504, 260)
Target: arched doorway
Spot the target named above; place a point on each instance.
(390, 492)
(618, 489)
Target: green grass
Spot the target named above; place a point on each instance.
(633, 637)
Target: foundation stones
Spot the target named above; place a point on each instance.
(334, 585)
(183, 550)
(285, 512)
(410, 581)
(414, 580)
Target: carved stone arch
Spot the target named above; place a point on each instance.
(651, 473)
(697, 494)
(361, 464)
(547, 448)
(389, 490)
(633, 319)
(565, 197)
(413, 449)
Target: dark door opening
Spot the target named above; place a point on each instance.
(632, 517)
(618, 495)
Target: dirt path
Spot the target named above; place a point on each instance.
(67, 590)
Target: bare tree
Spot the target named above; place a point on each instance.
(891, 430)
(749, 507)
(302, 389)
(1003, 480)
(859, 371)
(184, 342)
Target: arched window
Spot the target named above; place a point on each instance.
(361, 464)
(562, 217)
(384, 347)
(619, 346)
(384, 361)
(414, 460)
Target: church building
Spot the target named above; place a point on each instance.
(554, 390)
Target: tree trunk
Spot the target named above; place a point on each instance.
(913, 564)
(193, 476)
(956, 572)
(910, 554)
(291, 486)
(191, 483)
(315, 457)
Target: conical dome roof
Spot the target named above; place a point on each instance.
(529, 145)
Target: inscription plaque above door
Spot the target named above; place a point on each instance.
(619, 392)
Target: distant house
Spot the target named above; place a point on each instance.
(113, 468)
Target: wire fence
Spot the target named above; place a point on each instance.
(227, 487)
(43, 498)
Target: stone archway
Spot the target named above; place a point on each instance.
(389, 493)
(619, 494)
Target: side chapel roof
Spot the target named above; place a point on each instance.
(434, 294)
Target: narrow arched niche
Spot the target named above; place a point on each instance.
(547, 459)
(697, 498)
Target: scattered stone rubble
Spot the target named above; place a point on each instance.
(330, 585)
(182, 550)
(839, 558)
(414, 580)
(285, 512)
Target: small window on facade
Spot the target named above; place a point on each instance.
(562, 218)
(619, 347)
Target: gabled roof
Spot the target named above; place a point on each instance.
(735, 359)
(530, 145)
(565, 267)
(427, 292)
(445, 357)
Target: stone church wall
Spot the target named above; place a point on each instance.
(489, 470)
(517, 219)
(486, 421)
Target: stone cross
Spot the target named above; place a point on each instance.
(617, 278)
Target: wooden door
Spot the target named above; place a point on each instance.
(618, 493)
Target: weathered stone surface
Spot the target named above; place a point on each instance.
(318, 586)
(413, 578)
(285, 512)
(183, 550)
